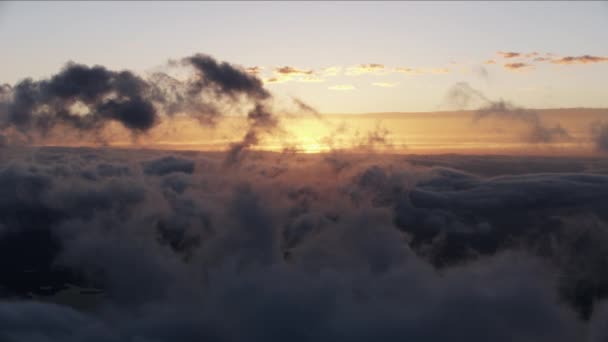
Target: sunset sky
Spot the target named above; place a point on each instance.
(303, 171)
(340, 57)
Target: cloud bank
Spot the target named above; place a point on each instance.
(176, 247)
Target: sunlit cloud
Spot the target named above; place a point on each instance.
(310, 79)
(292, 74)
(331, 71)
(342, 87)
(385, 84)
(517, 66)
(254, 70)
(439, 70)
(541, 59)
(361, 69)
(584, 59)
(490, 61)
(288, 70)
(509, 54)
(409, 71)
(421, 71)
(275, 80)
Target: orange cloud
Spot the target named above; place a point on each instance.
(517, 66)
(372, 68)
(584, 59)
(254, 70)
(274, 80)
(490, 61)
(542, 59)
(509, 54)
(287, 70)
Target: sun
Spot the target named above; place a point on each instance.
(311, 148)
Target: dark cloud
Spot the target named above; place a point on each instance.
(166, 165)
(101, 94)
(85, 99)
(388, 247)
(225, 78)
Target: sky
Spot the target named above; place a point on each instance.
(340, 57)
(175, 182)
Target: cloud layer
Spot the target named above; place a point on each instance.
(172, 246)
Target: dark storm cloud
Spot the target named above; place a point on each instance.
(102, 94)
(85, 99)
(225, 78)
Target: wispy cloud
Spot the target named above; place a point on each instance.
(490, 61)
(509, 54)
(254, 70)
(361, 69)
(385, 84)
(288, 70)
(438, 70)
(409, 71)
(342, 87)
(421, 71)
(331, 71)
(292, 74)
(541, 59)
(584, 59)
(517, 66)
(310, 79)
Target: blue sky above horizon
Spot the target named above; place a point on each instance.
(337, 56)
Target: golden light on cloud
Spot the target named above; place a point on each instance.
(409, 71)
(254, 70)
(584, 59)
(361, 69)
(287, 70)
(332, 71)
(342, 87)
(509, 54)
(439, 71)
(517, 66)
(311, 79)
(385, 84)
